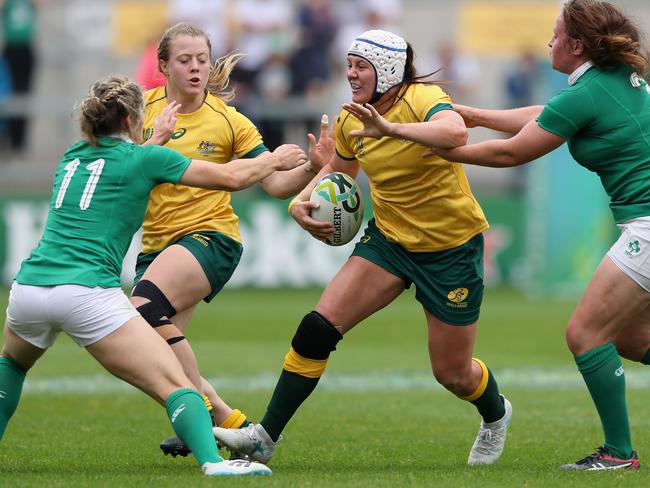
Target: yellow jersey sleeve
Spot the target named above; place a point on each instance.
(429, 100)
(423, 204)
(216, 133)
(248, 141)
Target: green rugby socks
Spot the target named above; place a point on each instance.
(193, 425)
(604, 375)
(11, 387)
(490, 403)
(291, 390)
(486, 397)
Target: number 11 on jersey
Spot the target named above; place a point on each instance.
(95, 169)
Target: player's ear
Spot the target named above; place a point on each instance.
(133, 128)
(577, 46)
(129, 124)
(162, 67)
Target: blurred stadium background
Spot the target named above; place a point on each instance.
(549, 227)
(550, 223)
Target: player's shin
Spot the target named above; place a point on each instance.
(192, 423)
(303, 366)
(11, 387)
(486, 397)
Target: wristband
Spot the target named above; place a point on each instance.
(293, 203)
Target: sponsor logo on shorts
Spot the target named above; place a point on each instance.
(619, 371)
(633, 248)
(3, 394)
(207, 148)
(457, 298)
(365, 239)
(177, 412)
(201, 238)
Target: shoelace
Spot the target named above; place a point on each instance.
(239, 463)
(251, 433)
(593, 457)
(487, 439)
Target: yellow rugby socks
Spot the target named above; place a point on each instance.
(235, 420)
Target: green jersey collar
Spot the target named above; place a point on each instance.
(581, 70)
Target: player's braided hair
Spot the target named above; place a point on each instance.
(219, 77)
(107, 105)
(610, 38)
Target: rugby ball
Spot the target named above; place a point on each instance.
(340, 202)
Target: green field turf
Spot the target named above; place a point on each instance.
(377, 419)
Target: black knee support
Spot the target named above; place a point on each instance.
(316, 337)
(158, 311)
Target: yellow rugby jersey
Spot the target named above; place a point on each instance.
(422, 204)
(215, 132)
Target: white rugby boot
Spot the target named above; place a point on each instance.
(237, 467)
(491, 439)
(252, 440)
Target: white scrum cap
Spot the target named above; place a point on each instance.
(386, 52)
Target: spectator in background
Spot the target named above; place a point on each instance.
(519, 83)
(459, 71)
(370, 14)
(519, 91)
(310, 63)
(5, 91)
(211, 16)
(262, 32)
(18, 33)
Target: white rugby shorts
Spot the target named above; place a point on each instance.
(631, 252)
(39, 313)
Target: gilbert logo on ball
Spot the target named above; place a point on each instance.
(341, 204)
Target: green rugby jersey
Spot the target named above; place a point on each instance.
(98, 202)
(605, 117)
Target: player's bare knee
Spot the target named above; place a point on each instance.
(452, 379)
(574, 337)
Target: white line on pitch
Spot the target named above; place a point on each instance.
(537, 378)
